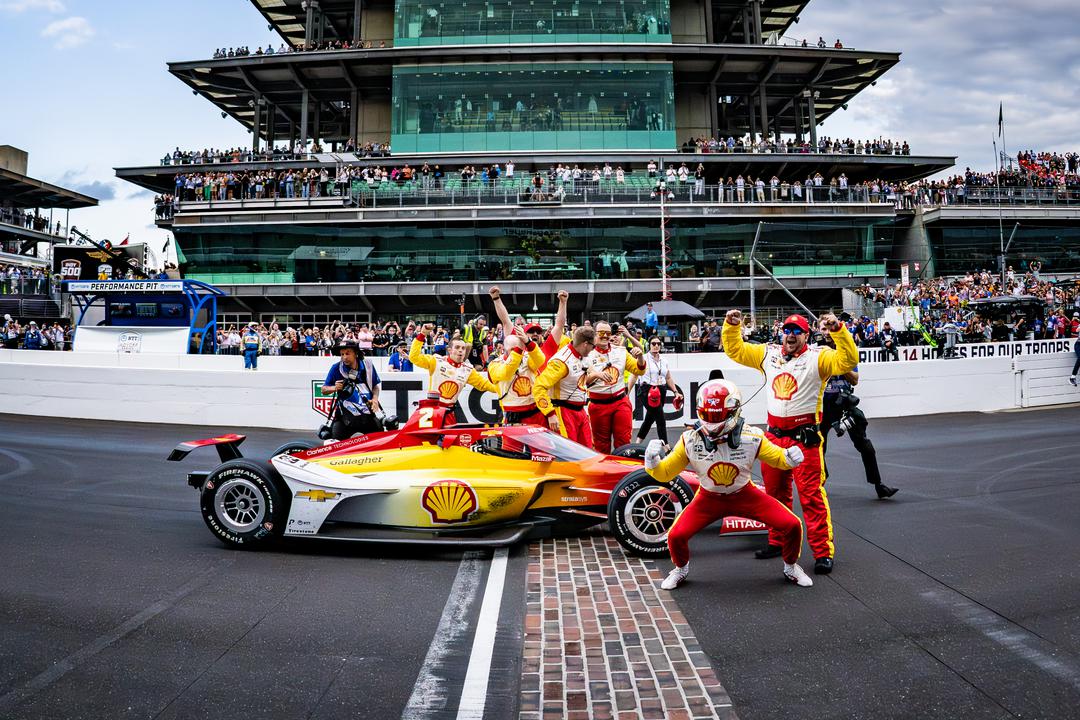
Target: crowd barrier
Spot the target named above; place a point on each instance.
(283, 393)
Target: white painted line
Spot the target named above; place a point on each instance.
(474, 692)
(429, 695)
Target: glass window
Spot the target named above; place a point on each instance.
(476, 22)
(533, 106)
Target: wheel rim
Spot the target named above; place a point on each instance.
(239, 505)
(649, 513)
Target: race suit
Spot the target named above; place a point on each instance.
(446, 378)
(610, 413)
(725, 489)
(794, 386)
(515, 374)
(560, 390)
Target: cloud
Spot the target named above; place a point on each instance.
(18, 6)
(69, 33)
(73, 180)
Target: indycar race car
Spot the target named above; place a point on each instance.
(461, 484)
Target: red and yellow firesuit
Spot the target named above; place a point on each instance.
(515, 374)
(560, 390)
(794, 387)
(725, 489)
(610, 413)
(446, 378)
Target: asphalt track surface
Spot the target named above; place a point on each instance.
(958, 598)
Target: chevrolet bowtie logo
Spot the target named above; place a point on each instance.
(317, 495)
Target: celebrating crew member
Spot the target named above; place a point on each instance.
(795, 376)
(515, 374)
(448, 375)
(652, 391)
(722, 453)
(610, 413)
(356, 384)
(252, 344)
(555, 338)
(840, 411)
(560, 390)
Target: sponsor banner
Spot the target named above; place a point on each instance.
(126, 286)
(85, 262)
(973, 350)
(129, 340)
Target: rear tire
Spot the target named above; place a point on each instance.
(242, 504)
(641, 511)
(295, 446)
(634, 450)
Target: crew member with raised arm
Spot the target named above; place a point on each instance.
(722, 453)
(795, 378)
(447, 376)
(560, 390)
(610, 414)
(549, 343)
(515, 373)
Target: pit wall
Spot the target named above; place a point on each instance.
(215, 390)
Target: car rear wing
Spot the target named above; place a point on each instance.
(228, 447)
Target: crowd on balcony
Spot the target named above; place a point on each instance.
(30, 220)
(282, 49)
(214, 156)
(825, 146)
(23, 280)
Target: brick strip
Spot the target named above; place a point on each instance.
(602, 641)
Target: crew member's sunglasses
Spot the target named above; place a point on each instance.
(603, 333)
(654, 344)
(792, 331)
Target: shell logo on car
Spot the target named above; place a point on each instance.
(784, 386)
(723, 474)
(448, 389)
(449, 501)
(522, 385)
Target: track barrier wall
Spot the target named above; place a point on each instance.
(215, 390)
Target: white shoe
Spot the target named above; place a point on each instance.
(1072, 379)
(675, 577)
(795, 574)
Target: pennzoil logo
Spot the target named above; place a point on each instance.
(522, 385)
(723, 474)
(448, 389)
(317, 495)
(449, 501)
(784, 386)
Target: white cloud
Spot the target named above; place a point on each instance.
(69, 32)
(18, 6)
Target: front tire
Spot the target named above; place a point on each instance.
(641, 511)
(242, 504)
(634, 450)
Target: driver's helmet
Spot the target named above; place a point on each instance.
(719, 404)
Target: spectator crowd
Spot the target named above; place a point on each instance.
(31, 336)
(283, 48)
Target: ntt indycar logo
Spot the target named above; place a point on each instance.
(975, 350)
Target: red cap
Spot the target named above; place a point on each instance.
(533, 327)
(798, 321)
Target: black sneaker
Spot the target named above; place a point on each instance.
(884, 491)
(823, 566)
(769, 551)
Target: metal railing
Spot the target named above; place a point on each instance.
(994, 196)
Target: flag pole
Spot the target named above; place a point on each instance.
(1001, 222)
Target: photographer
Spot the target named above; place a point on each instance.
(356, 386)
(840, 412)
(889, 341)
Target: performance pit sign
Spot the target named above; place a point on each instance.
(972, 350)
(122, 286)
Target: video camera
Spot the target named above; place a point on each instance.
(851, 417)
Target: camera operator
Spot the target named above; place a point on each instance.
(356, 386)
(889, 341)
(840, 412)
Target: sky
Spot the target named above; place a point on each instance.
(86, 87)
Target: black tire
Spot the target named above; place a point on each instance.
(641, 510)
(294, 446)
(243, 505)
(634, 450)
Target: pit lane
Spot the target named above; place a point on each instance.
(957, 598)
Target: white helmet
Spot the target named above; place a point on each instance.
(719, 405)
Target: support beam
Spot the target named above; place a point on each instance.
(358, 10)
(256, 125)
(813, 119)
(755, 8)
(309, 24)
(304, 103)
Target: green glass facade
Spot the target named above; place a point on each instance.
(960, 248)
(540, 249)
(472, 22)
(533, 106)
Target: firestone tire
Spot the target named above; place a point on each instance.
(242, 504)
(641, 511)
(634, 450)
(295, 446)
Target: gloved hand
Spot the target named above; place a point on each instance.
(793, 455)
(653, 453)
